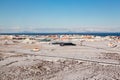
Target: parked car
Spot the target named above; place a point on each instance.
(67, 44)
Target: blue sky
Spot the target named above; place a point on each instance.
(59, 15)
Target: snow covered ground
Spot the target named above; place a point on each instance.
(92, 61)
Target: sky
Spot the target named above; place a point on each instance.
(59, 16)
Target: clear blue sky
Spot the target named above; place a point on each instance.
(32, 15)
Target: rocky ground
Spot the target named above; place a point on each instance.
(22, 67)
(89, 62)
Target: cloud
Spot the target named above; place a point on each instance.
(96, 29)
(44, 30)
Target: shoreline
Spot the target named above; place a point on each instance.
(67, 33)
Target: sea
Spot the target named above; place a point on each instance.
(68, 33)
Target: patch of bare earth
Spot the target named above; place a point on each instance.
(113, 56)
(1, 57)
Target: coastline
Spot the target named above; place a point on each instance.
(67, 33)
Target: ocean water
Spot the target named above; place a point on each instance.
(95, 34)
